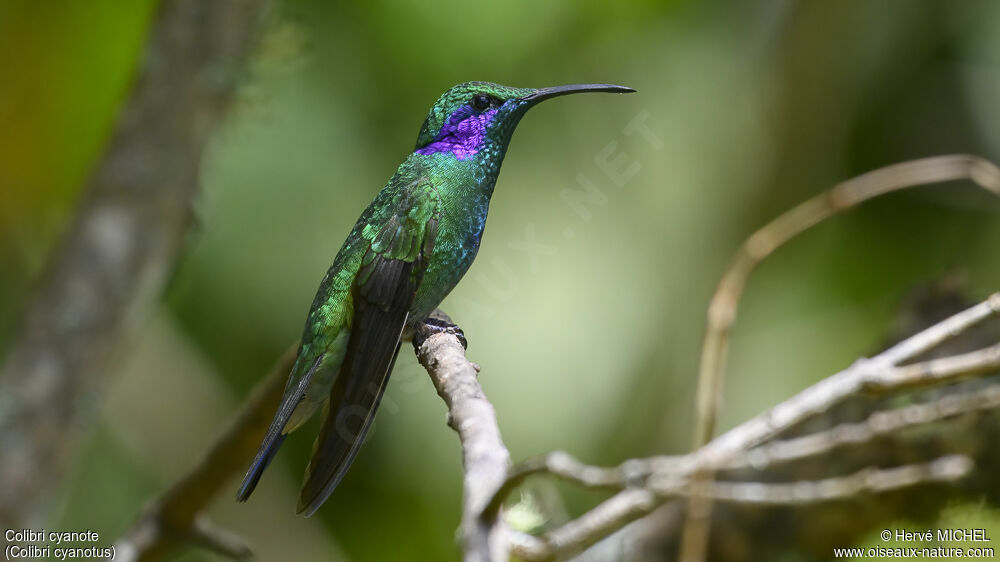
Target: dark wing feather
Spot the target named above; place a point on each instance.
(383, 293)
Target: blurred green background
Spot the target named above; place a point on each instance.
(589, 346)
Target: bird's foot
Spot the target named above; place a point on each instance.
(432, 326)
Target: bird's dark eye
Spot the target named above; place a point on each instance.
(480, 102)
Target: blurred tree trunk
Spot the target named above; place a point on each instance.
(116, 256)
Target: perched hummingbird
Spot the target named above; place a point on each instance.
(407, 251)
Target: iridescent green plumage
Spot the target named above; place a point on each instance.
(406, 252)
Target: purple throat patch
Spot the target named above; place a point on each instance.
(463, 135)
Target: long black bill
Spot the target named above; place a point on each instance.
(555, 91)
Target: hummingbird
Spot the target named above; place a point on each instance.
(406, 252)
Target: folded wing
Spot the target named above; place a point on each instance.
(383, 292)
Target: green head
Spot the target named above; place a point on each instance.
(477, 119)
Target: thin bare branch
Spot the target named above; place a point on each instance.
(878, 424)
(937, 371)
(632, 472)
(869, 480)
(629, 505)
(214, 538)
(863, 374)
(636, 472)
(645, 484)
(723, 308)
(573, 537)
(935, 335)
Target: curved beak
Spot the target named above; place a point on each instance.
(555, 91)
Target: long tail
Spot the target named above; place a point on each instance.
(266, 452)
(341, 437)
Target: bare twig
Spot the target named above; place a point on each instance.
(629, 505)
(174, 519)
(620, 509)
(121, 247)
(931, 338)
(667, 477)
(945, 369)
(878, 424)
(484, 456)
(878, 373)
(874, 373)
(723, 307)
(671, 476)
(632, 472)
(636, 472)
(868, 480)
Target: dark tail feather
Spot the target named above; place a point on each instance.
(260, 462)
(340, 439)
(275, 435)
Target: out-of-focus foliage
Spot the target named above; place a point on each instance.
(588, 341)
